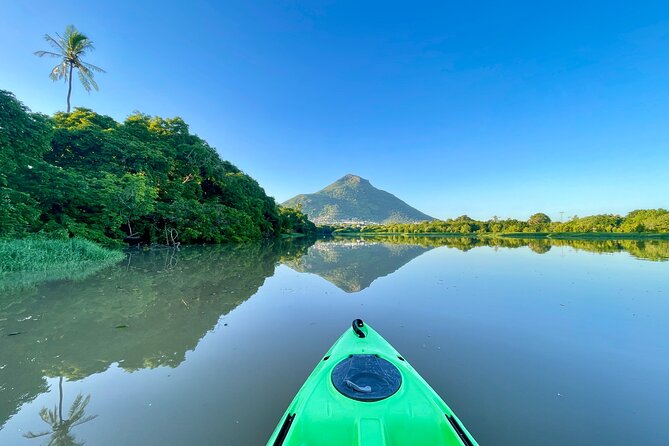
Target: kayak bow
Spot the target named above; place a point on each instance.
(364, 393)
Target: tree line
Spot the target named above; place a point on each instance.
(146, 179)
(638, 221)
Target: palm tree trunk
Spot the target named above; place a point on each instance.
(60, 399)
(69, 89)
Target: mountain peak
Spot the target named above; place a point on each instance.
(353, 199)
(351, 179)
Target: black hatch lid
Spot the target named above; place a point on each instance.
(366, 378)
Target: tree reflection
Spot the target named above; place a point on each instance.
(143, 314)
(59, 433)
(655, 250)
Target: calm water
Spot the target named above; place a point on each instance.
(529, 343)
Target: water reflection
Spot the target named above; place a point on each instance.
(148, 312)
(60, 428)
(655, 250)
(154, 308)
(353, 264)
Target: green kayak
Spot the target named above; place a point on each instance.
(364, 393)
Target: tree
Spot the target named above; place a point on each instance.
(646, 220)
(24, 139)
(137, 198)
(71, 48)
(293, 220)
(538, 222)
(539, 219)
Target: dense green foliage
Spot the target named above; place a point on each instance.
(639, 221)
(354, 199)
(146, 179)
(27, 261)
(294, 221)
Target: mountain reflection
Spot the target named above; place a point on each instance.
(145, 313)
(353, 264)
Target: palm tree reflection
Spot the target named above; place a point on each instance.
(60, 434)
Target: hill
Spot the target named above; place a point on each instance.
(147, 179)
(353, 199)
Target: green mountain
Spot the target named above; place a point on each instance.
(353, 199)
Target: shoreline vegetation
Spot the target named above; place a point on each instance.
(26, 262)
(638, 224)
(72, 179)
(517, 235)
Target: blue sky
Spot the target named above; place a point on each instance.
(456, 107)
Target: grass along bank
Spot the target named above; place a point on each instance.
(25, 262)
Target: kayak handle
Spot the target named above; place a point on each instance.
(356, 328)
(357, 388)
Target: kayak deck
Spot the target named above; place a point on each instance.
(322, 415)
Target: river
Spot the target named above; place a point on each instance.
(528, 341)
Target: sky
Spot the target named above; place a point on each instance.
(477, 108)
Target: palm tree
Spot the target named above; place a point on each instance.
(60, 434)
(71, 48)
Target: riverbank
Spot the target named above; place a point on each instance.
(24, 262)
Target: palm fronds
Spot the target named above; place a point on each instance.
(71, 48)
(60, 434)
